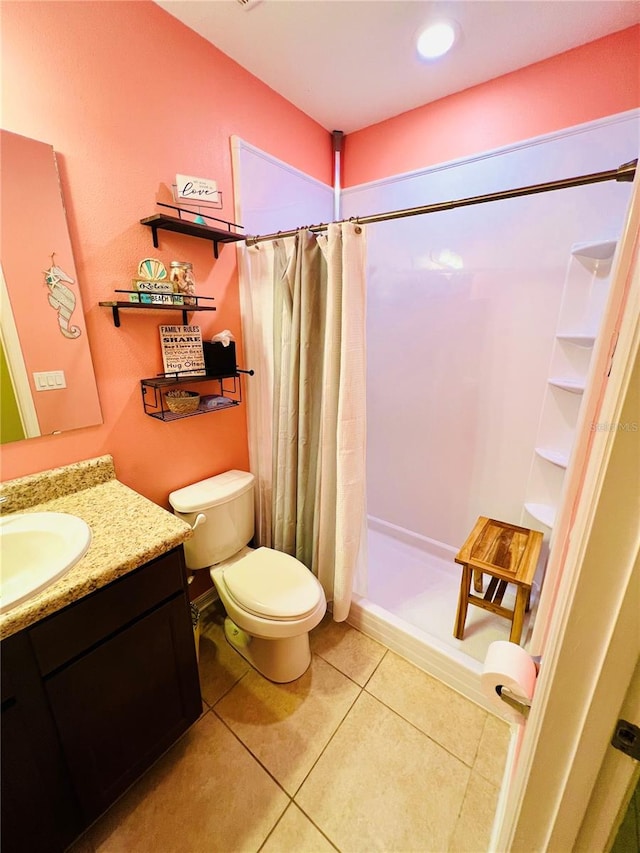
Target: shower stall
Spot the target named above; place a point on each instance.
(480, 326)
(481, 321)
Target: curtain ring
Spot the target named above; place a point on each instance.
(358, 229)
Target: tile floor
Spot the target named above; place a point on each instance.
(365, 752)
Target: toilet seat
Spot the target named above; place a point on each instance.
(272, 585)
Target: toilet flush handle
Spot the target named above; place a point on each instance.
(200, 519)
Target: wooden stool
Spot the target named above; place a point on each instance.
(510, 555)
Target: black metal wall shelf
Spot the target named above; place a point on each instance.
(117, 304)
(163, 222)
(153, 400)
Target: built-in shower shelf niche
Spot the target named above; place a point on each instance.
(584, 298)
(544, 513)
(575, 386)
(556, 457)
(596, 257)
(578, 340)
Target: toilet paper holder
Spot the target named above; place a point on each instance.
(520, 705)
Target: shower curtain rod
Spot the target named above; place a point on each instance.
(626, 172)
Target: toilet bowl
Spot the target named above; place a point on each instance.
(272, 602)
(271, 599)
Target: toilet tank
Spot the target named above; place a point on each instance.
(226, 502)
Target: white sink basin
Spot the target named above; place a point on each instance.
(37, 548)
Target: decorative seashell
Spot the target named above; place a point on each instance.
(152, 268)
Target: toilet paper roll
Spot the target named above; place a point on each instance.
(508, 665)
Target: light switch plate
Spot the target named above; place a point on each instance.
(50, 380)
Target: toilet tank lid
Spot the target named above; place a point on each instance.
(212, 491)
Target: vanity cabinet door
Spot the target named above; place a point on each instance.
(39, 811)
(119, 706)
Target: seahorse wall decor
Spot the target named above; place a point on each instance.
(62, 298)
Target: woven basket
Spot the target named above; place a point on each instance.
(182, 402)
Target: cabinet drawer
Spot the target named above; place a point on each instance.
(72, 631)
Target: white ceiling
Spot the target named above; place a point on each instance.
(351, 63)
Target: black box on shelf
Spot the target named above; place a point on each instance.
(219, 360)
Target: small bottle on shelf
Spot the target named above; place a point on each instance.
(182, 276)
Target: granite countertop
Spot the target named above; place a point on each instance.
(127, 531)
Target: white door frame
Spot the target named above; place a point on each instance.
(592, 641)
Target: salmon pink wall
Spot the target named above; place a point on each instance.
(595, 80)
(128, 97)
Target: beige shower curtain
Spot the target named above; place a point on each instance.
(303, 310)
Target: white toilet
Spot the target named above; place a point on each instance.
(272, 600)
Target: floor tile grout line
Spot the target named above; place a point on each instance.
(311, 769)
(484, 728)
(475, 759)
(333, 734)
(486, 778)
(346, 675)
(377, 666)
(251, 753)
(311, 821)
(363, 687)
(292, 797)
(418, 729)
(229, 689)
(322, 751)
(273, 828)
(460, 810)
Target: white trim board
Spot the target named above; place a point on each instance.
(573, 130)
(239, 144)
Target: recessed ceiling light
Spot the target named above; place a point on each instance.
(436, 40)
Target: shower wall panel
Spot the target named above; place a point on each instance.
(273, 196)
(462, 314)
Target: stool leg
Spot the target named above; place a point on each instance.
(463, 603)
(518, 614)
(478, 584)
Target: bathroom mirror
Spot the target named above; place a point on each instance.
(47, 380)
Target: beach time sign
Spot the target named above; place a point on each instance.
(196, 189)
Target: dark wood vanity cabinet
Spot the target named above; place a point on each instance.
(104, 687)
(39, 810)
